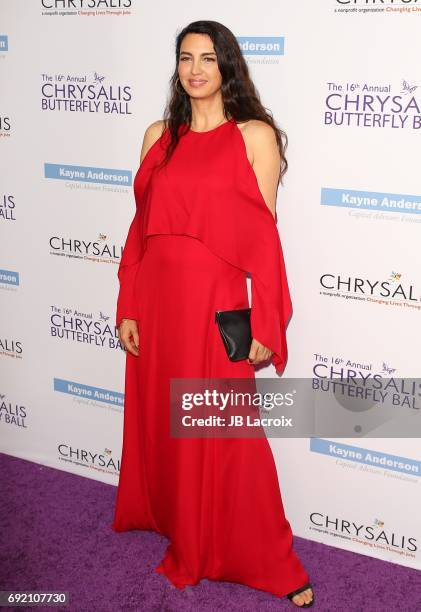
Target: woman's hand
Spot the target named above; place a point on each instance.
(128, 334)
(258, 353)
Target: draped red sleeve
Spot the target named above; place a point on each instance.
(129, 264)
(260, 253)
(127, 305)
(209, 191)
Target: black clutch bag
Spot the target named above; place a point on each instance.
(235, 329)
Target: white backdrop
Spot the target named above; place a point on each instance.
(80, 81)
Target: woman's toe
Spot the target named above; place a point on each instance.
(299, 600)
(308, 593)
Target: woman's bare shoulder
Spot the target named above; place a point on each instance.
(259, 139)
(152, 133)
(255, 130)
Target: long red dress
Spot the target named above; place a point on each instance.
(201, 224)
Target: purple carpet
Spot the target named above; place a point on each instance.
(56, 535)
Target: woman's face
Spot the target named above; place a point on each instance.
(198, 67)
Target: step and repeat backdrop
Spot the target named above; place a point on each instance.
(80, 82)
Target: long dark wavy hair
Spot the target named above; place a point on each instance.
(239, 95)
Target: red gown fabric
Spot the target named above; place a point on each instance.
(200, 225)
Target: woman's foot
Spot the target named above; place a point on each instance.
(303, 597)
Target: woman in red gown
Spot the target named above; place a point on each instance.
(201, 224)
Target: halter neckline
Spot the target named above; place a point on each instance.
(213, 129)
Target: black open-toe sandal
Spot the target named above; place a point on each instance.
(297, 592)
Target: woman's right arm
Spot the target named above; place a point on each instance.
(127, 313)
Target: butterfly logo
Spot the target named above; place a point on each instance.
(2, 396)
(387, 369)
(103, 317)
(407, 88)
(379, 523)
(97, 78)
(107, 451)
(395, 276)
(102, 237)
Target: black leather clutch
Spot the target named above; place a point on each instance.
(235, 329)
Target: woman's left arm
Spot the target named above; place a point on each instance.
(265, 160)
(264, 157)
